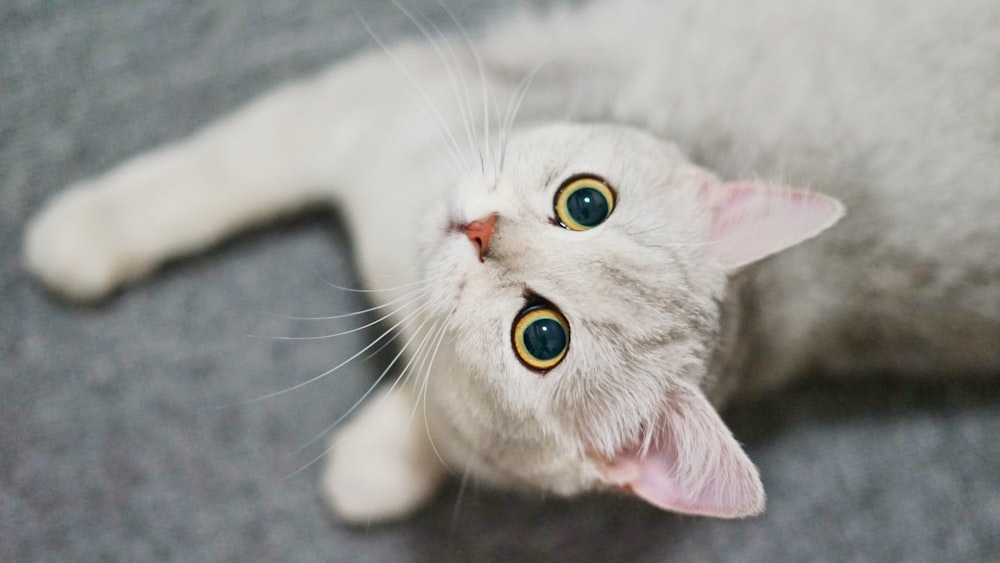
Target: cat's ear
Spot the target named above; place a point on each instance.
(692, 465)
(749, 222)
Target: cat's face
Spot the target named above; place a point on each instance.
(580, 326)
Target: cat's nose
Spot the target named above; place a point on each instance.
(480, 231)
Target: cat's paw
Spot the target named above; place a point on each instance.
(75, 246)
(381, 466)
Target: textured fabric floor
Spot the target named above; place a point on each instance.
(125, 429)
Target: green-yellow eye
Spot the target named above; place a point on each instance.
(584, 202)
(541, 337)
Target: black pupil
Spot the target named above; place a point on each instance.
(544, 339)
(587, 207)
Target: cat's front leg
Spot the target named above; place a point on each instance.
(117, 227)
(382, 465)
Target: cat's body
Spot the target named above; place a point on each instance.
(892, 108)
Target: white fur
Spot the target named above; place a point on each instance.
(882, 103)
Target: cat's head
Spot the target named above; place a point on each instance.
(581, 288)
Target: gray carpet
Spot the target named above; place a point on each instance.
(128, 430)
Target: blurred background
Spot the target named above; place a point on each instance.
(128, 430)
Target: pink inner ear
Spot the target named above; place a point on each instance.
(694, 465)
(749, 222)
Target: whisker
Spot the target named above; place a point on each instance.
(461, 493)
(338, 366)
(465, 83)
(513, 107)
(465, 108)
(431, 334)
(342, 333)
(415, 365)
(489, 142)
(441, 126)
(416, 292)
(422, 395)
(483, 83)
(520, 93)
(427, 336)
(367, 290)
(381, 347)
(361, 399)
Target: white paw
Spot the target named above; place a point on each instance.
(381, 466)
(76, 248)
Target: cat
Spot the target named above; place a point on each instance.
(594, 225)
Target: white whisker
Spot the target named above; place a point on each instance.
(422, 395)
(419, 357)
(464, 104)
(510, 113)
(413, 294)
(520, 93)
(461, 493)
(483, 82)
(366, 290)
(381, 347)
(338, 366)
(364, 395)
(342, 333)
(434, 116)
(416, 354)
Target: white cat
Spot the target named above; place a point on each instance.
(574, 291)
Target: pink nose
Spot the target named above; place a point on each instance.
(480, 231)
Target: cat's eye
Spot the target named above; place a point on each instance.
(584, 202)
(541, 337)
